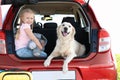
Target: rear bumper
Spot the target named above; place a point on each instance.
(97, 73)
(94, 67)
(74, 73)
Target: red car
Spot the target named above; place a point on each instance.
(96, 64)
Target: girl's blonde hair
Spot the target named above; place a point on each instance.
(20, 15)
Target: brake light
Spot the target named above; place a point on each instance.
(104, 41)
(2, 43)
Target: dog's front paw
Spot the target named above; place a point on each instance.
(65, 68)
(46, 63)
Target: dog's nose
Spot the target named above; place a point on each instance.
(65, 29)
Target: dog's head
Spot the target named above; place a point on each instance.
(66, 30)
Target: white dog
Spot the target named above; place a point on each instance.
(66, 45)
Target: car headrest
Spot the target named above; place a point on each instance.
(50, 25)
(70, 20)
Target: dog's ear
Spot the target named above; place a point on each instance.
(73, 31)
(58, 29)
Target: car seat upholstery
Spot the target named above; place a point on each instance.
(51, 25)
(49, 31)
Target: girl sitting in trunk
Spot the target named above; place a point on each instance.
(24, 36)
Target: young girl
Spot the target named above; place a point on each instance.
(24, 35)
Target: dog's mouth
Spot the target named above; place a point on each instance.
(65, 33)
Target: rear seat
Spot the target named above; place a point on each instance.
(49, 31)
(50, 26)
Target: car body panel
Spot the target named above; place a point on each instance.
(84, 67)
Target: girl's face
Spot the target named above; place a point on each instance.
(27, 18)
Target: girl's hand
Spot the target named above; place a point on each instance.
(42, 43)
(33, 38)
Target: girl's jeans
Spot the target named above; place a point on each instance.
(27, 53)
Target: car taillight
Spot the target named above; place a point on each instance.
(2, 43)
(104, 41)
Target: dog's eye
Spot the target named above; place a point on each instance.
(69, 26)
(63, 25)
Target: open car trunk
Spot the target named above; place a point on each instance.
(57, 12)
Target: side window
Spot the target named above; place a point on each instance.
(16, 24)
(81, 19)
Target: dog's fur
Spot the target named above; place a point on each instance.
(66, 45)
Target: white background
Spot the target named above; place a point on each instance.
(108, 15)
